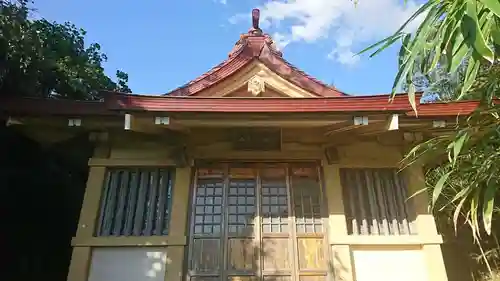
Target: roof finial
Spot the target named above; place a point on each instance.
(255, 18)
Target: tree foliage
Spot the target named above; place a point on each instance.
(40, 58)
(459, 41)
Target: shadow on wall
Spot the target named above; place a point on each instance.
(41, 195)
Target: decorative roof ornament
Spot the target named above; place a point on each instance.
(256, 85)
(255, 30)
(257, 36)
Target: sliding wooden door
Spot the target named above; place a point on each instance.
(258, 222)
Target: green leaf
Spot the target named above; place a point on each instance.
(488, 205)
(457, 146)
(438, 188)
(458, 208)
(376, 44)
(387, 44)
(458, 51)
(475, 36)
(411, 97)
(404, 51)
(470, 76)
(492, 5)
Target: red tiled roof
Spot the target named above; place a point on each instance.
(43, 107)
(256, 46)
(457, 108)
(125, 102)
(116, 103)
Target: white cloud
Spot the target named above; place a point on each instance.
(349, 27)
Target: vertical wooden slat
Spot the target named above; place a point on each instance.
(141, 199)
(80, 259)
(102, 208)
(258, 225)
(109, 205)
(348, 196)
(379, 190)
(163, 182)
(91, 200)
(132, 201)
(122, 192)
(375, 217)
(360, 189)
(379, 197)
(152, 202)
(340, 256)
(79, 265)
(391, 201)
(225, 220)
(410, 206)
(400, 199)
(293, 231)
(178, 222)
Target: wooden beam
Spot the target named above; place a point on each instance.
(393, 122)
(128, 121)
(232, 122)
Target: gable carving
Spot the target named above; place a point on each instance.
(256, 85)
(256, 80)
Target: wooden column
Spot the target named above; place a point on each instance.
(80, 259)
(337, 230)
(426, 225)
(178, 223)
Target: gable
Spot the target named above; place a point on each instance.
(255, 80)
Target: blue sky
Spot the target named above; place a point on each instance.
(163, 44)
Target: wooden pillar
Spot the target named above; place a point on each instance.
(80, 259)
(178, 223)
(337, 229)
(426, 225)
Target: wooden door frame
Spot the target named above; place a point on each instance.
(293, 238)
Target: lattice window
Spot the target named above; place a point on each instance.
(376, 202)
(208, 209)
(274, 202)
(135, 202)
(271, 226)
(306, 192)
(241, 201)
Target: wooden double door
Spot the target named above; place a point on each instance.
(258, 222)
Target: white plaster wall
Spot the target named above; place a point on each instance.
(128, 264)
(390, 265)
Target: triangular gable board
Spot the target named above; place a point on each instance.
(254, 80)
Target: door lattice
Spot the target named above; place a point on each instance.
(257, 222)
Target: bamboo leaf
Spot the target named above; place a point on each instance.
(387, 44)
(438, 188)
(376, 44)
(492, 5)
(458, 209)
(475, 36)
(488, 204)
(474, 204)
(457, 146)
(411, 97)
(404, 51)
(470, 76)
